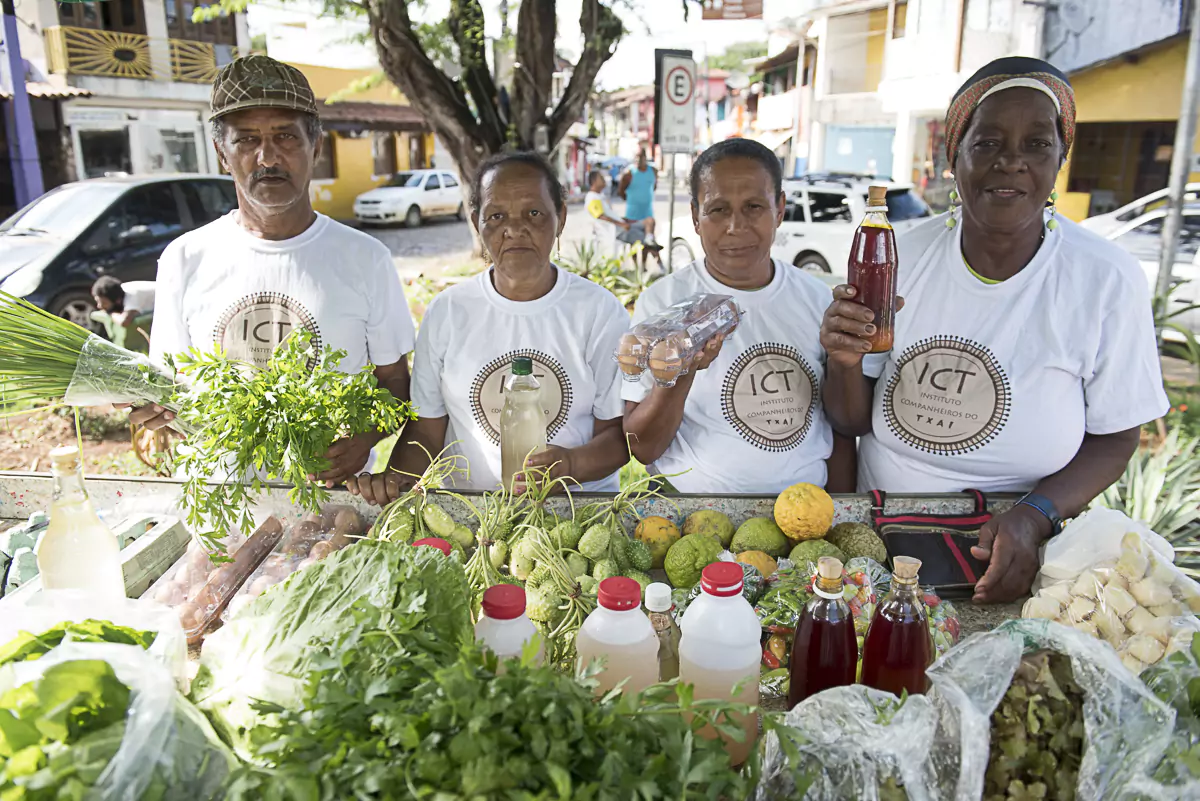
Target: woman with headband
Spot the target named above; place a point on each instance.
(1024, 358)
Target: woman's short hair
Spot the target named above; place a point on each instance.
(524, 157)
(739, 149)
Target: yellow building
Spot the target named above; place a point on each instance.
(369, 136)
(1128, 109)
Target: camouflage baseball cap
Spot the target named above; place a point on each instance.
(261, 82)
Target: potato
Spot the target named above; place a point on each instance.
(260, 585)
(305, 563)
(190, 616)
(163, 594)
(320, 550)
(347, 525)
(301, 538)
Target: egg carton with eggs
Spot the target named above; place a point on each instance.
(666, 343)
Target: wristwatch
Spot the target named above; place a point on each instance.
(1047, 508)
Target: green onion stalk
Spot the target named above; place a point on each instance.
(44, 358)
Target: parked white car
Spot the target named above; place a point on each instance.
(1142, 237)
(822, 214)
(1105, 224)
(411, 196)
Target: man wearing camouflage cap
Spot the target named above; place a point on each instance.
(274, 265)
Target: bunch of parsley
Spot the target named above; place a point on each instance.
(245, 423)
(389, 716)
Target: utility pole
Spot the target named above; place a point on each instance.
(1185, 134)
(18, 119)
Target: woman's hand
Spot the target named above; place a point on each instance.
(151, 416)
(1009, 544)
(846, 326)
(708, 354)
(347, 457)
(380, 489)
(555, 457)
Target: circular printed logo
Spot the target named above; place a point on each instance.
(252, 328)
(487, 392)
(768, 396)
(948, 395)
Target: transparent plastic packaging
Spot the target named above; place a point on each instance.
(852, 741)
(666, 343)
(1139, 603)
(106, 373)
(167, 748)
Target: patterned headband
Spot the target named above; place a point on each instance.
(964, 105)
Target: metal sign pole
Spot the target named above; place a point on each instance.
(1185, 132)
(671, 219)
(22, 140)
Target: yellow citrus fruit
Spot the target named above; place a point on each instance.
(804, 512)
(763, 561)
(659, 534)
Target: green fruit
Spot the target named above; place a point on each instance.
(688, 557)
(520, 563)
(806, 554)
(438, 520)
(605, 568)
(566, 534)
(577, 563)
(710, 523)
(856, 540)
(463, 536)
(760, 534)
(588, 585)
(641, 578)
(638, 555)
(540, 605)
(594, 542)
(539, 576)
(498, 554)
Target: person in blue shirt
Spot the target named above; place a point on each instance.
(637, 189)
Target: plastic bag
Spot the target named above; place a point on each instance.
(1176, 682)
(167, 748)
(47, 609)
(1137, 602)
(105, 373)
(1092, 538)
(938, 745)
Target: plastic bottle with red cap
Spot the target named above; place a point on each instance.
(720, 648)
(620, 635)
(503, 627)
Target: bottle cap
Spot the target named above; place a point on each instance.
(620, 594)
(504, 602)
(829, 568)
(722, 579)
(434, 542)
(877, 196)
(658, 597)
(522, 365)
(906, 568)
(65, 454)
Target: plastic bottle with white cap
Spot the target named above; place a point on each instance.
(720, 648)
(661, 610)
(503, 628)
(620, 635)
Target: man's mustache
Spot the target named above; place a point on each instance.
(269, 172)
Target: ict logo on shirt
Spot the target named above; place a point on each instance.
(768, 396)
(487, 392)
(947, 396)
(252, 328)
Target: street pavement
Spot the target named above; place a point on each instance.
(443, 243)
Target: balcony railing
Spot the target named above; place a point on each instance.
(86, 51)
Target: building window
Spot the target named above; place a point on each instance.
(105, 153)
(326, 167)
(221, 31)
(900, 24)
(124, 16)
(383, 151)
(989, 15)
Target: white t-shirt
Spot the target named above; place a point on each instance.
(220, 285)
(753, 421)
(603, 232)
(468, 339)
(992, 387)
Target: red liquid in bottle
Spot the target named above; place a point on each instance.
(899, 647)
(872, 269)
(824, 655)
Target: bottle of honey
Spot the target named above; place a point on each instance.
(898, 647)
(872, 268)
(825, 652)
